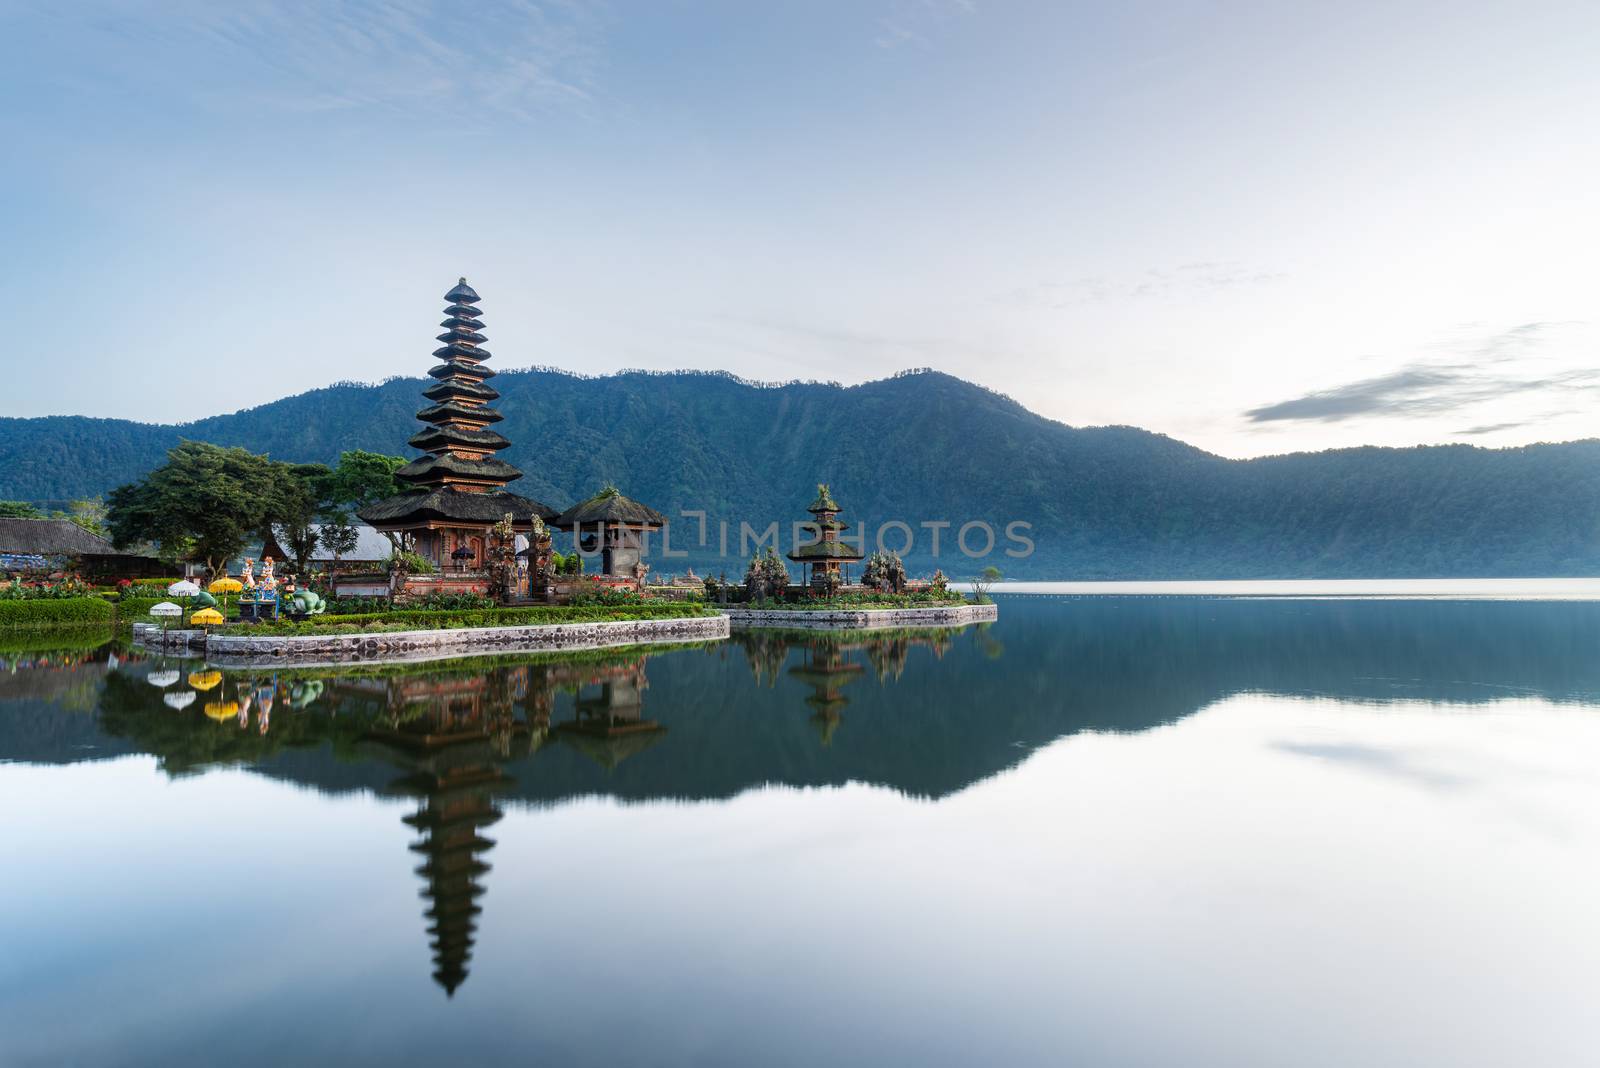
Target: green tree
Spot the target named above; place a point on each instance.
(203, 504)
(19, 510)
(90, 514)
(362, 478)
(302, 498)
(339, 534)
(985, 582)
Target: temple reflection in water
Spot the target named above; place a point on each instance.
(455, 733)
(827, 664)
(557, 840)
(926, 714)
(452, 734)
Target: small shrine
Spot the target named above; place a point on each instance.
(457, 493)
(615, 527)
(824, 556)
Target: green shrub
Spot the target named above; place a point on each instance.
(54, 611)
(137, 609)
(156, 588)
(415, 563)
(357, 606)
(570, 564)
(592, 592)
(433, 602)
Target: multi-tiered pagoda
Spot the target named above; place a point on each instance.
(825, 554)
(458, 489)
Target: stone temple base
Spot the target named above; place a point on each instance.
(245, 650)
(863, 618)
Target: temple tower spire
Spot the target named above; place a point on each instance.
(459, 444)
(456, 492)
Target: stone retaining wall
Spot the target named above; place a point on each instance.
(176, 638)
(316, 649)
(862, 618)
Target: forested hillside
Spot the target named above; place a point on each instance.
(1103, 502)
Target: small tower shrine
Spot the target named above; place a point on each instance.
(615, 527)
(824, 553)
(457, 491)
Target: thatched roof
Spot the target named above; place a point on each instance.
(610, 507)
(826, 550)
(824, 501)
(455, 505)
(462, 294)
(434, 468)
(454, 410)
(50, 537)
(471, 352)
(460, 367)
(439, 437)
(462, 333)
(451, 388)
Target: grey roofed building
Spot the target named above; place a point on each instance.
(50, 537)
(27, 544)
(370, 545)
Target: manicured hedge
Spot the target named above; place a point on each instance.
(137, 609)
(488, 617)
(54, 612)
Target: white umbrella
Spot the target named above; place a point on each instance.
(164, 611)
(162, 678)
(183, 588)
(180, 700)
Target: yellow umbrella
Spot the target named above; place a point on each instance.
(221, 710)
(206, 617)
(205, 680)
(225, 586)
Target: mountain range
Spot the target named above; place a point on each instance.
(1100, 502)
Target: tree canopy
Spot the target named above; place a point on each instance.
(204, 504)
(208, 502)
(361, 478)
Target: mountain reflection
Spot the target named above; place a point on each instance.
(926, 713)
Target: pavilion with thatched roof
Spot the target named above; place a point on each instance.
(614, 526)
(825, 555)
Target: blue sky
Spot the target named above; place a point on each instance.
(1256, 227)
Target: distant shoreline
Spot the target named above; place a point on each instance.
(1466, 589)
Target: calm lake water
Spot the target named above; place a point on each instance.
(1103, 831)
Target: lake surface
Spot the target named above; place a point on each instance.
(1103, 831)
